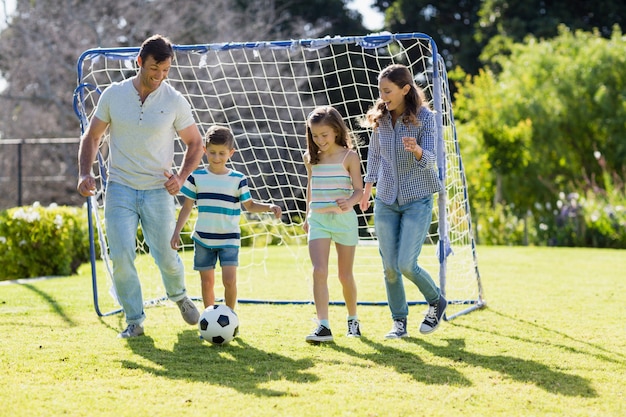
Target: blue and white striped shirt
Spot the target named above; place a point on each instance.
(218, 198)
(398, 175)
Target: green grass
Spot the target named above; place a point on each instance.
(551, 342)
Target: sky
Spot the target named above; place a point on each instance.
(10, 6)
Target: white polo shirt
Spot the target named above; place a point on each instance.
(142, 136)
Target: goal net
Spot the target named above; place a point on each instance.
(263, 92)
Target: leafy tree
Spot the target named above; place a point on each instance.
(463, 28)
(451, 24)
(541, 18)
(556, 107)
(328, 17)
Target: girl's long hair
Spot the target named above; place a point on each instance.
(414, 99)
(329, 116)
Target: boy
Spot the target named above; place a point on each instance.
(219, 192)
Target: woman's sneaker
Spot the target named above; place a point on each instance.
(398, 330)
(434, 315)
(321, 334)
(354, 328)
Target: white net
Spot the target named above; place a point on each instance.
(263, 92)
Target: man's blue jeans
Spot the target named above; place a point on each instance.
(401, 231)
(124, 209)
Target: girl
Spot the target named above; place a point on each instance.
(334, 187)
(401, 161)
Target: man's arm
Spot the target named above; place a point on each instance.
(89, 143)
(192, 138)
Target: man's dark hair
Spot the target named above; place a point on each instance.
(157, 46)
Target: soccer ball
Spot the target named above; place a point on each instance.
(218, 324)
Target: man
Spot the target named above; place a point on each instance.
(143, 115)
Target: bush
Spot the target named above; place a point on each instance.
(41, 241)
(594, 219)
(604, 219)
(261, 230)
(499, 226)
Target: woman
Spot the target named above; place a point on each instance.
(401, 161)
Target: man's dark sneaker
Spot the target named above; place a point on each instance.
(321, 334)
(434, 315)
(398, 330)
(133, 330)
(188, 310)
(354, 328)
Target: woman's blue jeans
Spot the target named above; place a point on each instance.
(124, 209)
(401, 231)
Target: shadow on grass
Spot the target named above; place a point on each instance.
(604, 356)
(521, 370)
(52, 303)
(406, 363)
(236, 365)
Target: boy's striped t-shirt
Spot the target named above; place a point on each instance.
(218, 199)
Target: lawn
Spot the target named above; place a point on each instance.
(551, 342)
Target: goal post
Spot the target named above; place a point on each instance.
(263, 92)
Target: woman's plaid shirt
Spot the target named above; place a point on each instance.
(398, 175)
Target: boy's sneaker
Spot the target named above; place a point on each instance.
(354, 329)
(321, 334)
(398, 330)
(133, 330)
(434, 315)
(188, 310)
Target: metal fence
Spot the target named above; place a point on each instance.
(40, 170)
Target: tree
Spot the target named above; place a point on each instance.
(44, 39)
(451, 24)
(463, 28)
(541, 18)
(544, 120)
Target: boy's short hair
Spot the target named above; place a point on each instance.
(219, 135)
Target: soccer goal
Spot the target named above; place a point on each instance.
(263, 92)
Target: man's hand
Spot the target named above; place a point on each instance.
(86, 186)
(175, 241)
(174, 183)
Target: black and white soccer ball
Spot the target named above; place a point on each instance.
(218, 324)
